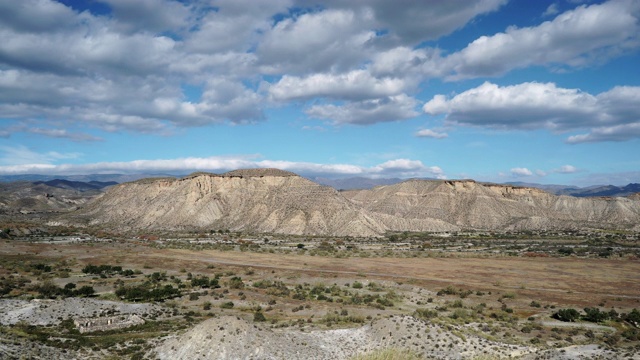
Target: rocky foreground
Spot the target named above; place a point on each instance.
(275, 201)
(231, 337)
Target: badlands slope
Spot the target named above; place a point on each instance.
(275, 201)
(472, 205)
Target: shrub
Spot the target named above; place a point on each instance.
(425, 314)
(236, 283)
(258, 316)
(227, 305)
(569, 315)
(388, 354)
(84, 291)
(595, 315)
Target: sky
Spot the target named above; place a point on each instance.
(493, 90)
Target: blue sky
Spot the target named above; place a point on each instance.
(494, 90)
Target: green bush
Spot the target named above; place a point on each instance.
(595, 315)
(227, 305)
(569, 315)
(258, 316)
(425, 314)
(388, 354)
(236, 283)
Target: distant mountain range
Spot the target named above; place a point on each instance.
(597, 190)
(76, 185)
(355, 182)
(117, 178)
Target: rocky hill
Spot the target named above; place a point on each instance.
(259, 200)
(472, 205)
(275, 201)
(55, 195)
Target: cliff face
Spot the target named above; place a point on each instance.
(269, 200)
(472, 205)
(276, 202)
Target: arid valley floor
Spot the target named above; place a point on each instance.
(437, 296)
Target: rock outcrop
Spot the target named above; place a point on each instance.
(276, 201)
(472, 205)
(264, 200)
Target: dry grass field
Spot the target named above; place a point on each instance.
(491, 296)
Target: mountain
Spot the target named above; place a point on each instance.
(596, 190)
(609, 190)
(76, 185)
(355, 182)
(118, 178)
(276, 201)
(53, 195)
(257, 200)
(472, 205)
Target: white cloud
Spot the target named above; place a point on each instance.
(406, 168)
(354, 85)
(23, 156)
(622, 132)
(392, 108)
(63, 134)
(41, 165)
(521, 172)
(413, 22)
(567, 169)
(35, 15)
(149, 15)
(611, 116)
(361, 61)
(575, 38)
(333, 39)
(551, 10)
(431, 134)
(527, 105)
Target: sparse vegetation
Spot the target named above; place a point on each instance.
(273, 295)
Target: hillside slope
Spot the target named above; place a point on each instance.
(40, 196)
(473, 205)
(265, 200)
(275, 201)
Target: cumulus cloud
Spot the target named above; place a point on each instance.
(391, 108)
(567, 169)
(149, 15)
(574, 38)
(611, 115)
(418, 21)
(551, 10)
(610, 133)
(63, 134)
(431, 134)
(35, 16)
(32, 162)
(521, 172)
(334, 39)
(353, 85)
(124, 71)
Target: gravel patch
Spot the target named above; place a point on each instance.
(52, 312)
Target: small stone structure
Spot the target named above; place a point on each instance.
(85, 325)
